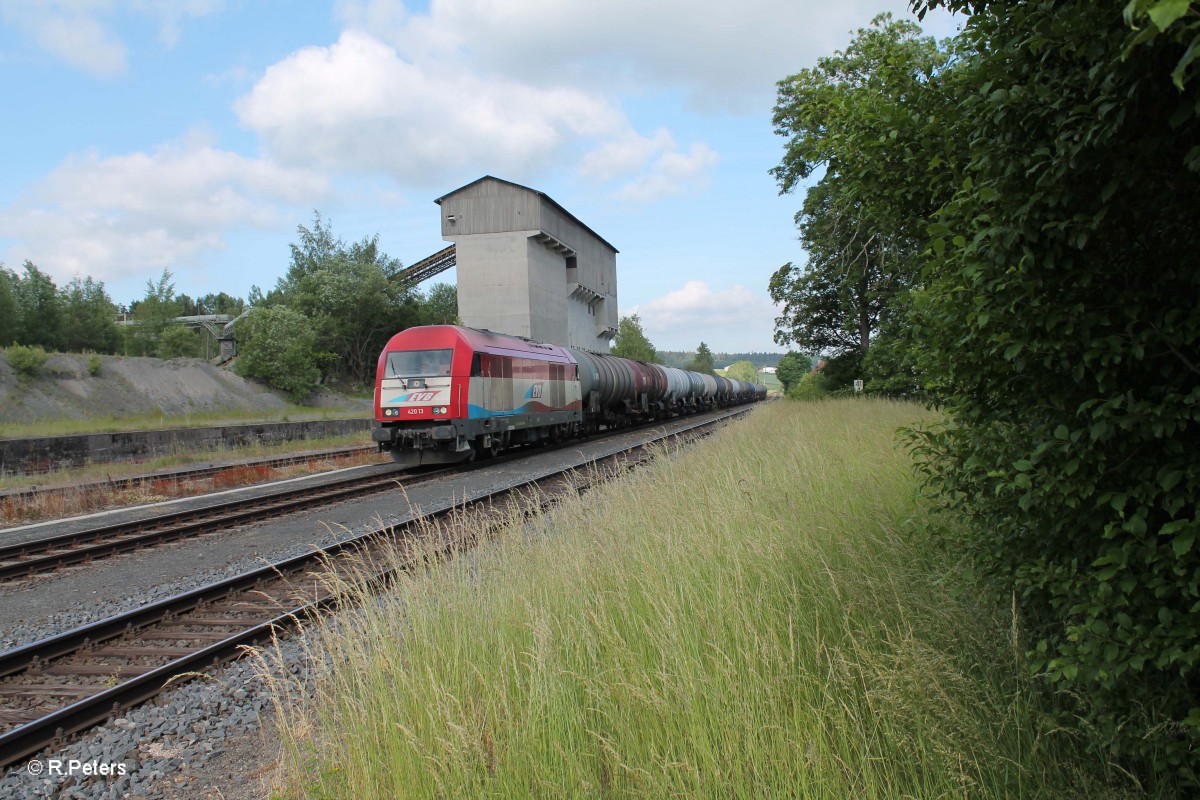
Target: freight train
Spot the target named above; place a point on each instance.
(445, 393)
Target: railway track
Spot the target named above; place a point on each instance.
(37, 556)
(183, 475)
(66, 683)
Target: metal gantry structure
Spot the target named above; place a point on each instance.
(427, 267)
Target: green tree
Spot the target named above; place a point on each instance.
(90, 317)
(868, 117)
(220, 303)
(742, 371)
(810, 386)
(278, 346)
(39, 309)
(440, 305)
(8, 308)
(1060, 330)
(178, 341)
(703, 362)
(631, 341)
(792, 367)
(153, 315)
(348, 294)
(187, 306)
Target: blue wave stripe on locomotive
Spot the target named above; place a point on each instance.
(478, 412)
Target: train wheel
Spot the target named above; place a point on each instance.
(486, 446)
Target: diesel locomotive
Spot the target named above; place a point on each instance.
(445, 393)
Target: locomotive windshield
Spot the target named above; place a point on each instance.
(418, 363)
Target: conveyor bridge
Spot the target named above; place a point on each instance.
(427, 267)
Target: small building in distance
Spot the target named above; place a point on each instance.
(528, 267)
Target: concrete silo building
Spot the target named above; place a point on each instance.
(528, 267)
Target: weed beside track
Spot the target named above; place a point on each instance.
(764, 615)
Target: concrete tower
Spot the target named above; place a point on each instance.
(527, 267)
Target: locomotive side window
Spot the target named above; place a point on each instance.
(418, 363)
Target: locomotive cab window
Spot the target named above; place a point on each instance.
(418, 363)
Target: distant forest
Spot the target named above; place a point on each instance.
(680, 358)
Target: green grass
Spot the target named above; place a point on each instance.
(764, 615)
(141, 422)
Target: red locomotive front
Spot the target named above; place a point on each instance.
(444, 393)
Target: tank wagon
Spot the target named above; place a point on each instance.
(445, 393)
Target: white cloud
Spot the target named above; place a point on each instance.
(371, 15)
(673, 173)
(71, 31)
(172, 14)
(723, 55)
(359, 105)
(728, 320)
(127, 215)
(625, 154)
(80, 32)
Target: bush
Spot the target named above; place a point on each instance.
(94, 365)
(26, 360)
(278, 346)
(177, 342)
(813, 386)
(1061, 331)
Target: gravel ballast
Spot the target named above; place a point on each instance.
(205, 738)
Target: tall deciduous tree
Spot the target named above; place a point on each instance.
(8, 308)
(90, 317)
(221, 303)
(631, 341)
(440, 305)
(39, 308)
(153, 316)
(868, 118)
(348, 294)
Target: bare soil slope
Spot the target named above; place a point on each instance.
(129, 386)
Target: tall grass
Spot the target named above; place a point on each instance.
(59, 426)
(761, 616)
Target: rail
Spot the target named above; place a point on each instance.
(61, 685)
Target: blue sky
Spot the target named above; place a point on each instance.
(195, 135)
